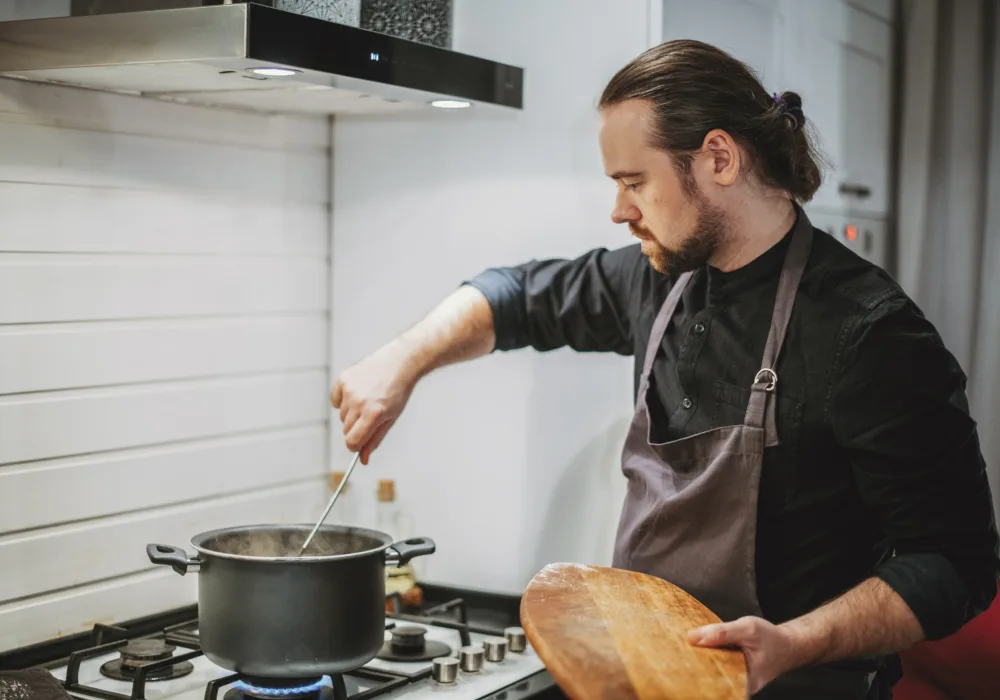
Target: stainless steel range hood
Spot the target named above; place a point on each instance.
(254, 57)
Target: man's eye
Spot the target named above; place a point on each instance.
(633, 186)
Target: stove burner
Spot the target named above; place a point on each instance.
(409, 643)
(273, 689)
(140, 652)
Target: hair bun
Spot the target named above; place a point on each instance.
(790, 104)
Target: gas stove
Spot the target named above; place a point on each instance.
(459, 642)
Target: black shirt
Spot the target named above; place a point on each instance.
(879, 470)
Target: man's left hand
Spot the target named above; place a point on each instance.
(770, 650)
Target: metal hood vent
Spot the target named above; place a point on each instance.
(253, 57)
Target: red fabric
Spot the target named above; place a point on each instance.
(912, 688)
(964, 666)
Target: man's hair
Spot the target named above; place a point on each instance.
(694, 87)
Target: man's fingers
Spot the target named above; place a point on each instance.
(337, 395)
(735, 633)
(709, 636)
(349, 416)
(359, 434)
(374, 442)
(346, 407)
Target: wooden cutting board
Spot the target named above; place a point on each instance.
(608, 634)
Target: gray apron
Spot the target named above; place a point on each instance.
(690, 512)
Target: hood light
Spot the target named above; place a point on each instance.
(451, 104)
(274, 72)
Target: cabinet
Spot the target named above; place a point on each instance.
(751, 30)
(837, 54)
(843, 70)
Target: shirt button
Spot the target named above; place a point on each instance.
(687, 402)
(699, 328)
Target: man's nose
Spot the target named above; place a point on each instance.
(623, 212)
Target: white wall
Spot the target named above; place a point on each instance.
(164, 343)
(510, 462)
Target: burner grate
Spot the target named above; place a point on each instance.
(141, 674)
(184, 634)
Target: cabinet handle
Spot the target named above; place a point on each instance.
(860, 191)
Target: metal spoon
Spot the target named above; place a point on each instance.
(333, 499)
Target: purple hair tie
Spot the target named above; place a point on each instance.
(785, 111)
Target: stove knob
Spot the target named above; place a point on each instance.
(471, 658)
(516, 641)
(444, 669)
(496, 648)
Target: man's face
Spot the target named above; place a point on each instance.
(667, 211)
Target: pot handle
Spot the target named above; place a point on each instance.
(399, 553)
(174, 557)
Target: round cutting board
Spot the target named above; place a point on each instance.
(607, 633)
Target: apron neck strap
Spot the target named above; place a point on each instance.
(761, 410)
(661, 323)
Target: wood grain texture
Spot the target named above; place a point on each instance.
(611, 634)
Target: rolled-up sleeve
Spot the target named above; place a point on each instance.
(547, 304)
(900, 411)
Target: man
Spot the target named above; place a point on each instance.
(801, 458)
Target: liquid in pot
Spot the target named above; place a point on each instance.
(285, 542)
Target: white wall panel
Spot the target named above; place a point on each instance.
(43, 357)
(61, 557)
(75, 422)
(37, 288)
(65, 218)
(164, 335)
(84, 488)
(106, 602)
(52, 155)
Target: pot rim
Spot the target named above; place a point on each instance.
(200, 538)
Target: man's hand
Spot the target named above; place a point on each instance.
(770, 650)
(869, 620)
(372, 394)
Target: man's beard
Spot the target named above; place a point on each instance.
(696, 250)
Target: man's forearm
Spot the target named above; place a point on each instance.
(460, 328)
(869, 620)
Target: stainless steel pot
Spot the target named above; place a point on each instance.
(265, 612)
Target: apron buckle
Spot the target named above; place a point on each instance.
(770, 375)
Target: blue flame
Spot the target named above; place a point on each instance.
(280, 692)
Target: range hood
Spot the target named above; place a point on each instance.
(250, 56)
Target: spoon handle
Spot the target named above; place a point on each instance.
(333, 499)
